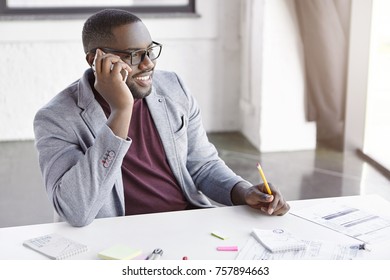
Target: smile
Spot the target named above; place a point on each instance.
(143, 78)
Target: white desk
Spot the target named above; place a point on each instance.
(183, 233)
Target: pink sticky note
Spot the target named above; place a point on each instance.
(227, 248)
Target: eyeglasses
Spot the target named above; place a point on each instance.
(137, 56)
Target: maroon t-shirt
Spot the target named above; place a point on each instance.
(148, 181)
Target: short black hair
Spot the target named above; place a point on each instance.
(97, 28)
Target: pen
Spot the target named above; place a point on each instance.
(361, 246)
(264, 179)
(155, 255)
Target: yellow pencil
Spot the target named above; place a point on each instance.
(264, 179)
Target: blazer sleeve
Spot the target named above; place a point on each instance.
(79, 176)
(209, 172)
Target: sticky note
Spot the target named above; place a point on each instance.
(219, 235)
(119, 252)
(227, 248)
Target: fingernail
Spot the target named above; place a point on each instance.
(270, 211)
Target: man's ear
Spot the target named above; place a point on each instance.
(89, 58)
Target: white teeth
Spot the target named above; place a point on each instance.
(145, 78)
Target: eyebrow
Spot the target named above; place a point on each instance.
(135, 49)
(125, 50)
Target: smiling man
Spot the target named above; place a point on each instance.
(127, 139)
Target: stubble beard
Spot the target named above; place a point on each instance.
(139, 93)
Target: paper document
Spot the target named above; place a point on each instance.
(354, 222)
(315, 250)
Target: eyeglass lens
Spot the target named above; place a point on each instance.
(152, 52)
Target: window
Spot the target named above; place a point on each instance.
(377, 125)
(367, 128)
(31, 8)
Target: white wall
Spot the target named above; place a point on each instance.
(272, 103)
(241, 59)
(39, 58)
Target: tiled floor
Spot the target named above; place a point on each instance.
(23, 200)
(303, 174)
(300, 175)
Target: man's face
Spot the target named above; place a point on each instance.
(132, 37)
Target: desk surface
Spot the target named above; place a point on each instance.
(183, 233)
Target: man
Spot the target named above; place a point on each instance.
(127, 139)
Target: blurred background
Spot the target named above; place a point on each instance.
(300, 85)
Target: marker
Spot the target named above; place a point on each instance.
(227, 248)
(264, 179)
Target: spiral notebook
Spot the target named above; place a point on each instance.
(278, 240)
(55, 246)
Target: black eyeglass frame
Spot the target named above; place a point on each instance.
(130, 53)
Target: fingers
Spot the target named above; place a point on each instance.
(278, 206)
(120, 67)
(282, 210)
(107, 64)
(269, 204)
(255, 197)
(110, 77)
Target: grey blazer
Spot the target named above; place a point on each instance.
(80, 158)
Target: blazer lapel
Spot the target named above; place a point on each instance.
(93, 114)
(158, 110)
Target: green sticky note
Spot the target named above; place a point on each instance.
(219, 235)
(119, 252)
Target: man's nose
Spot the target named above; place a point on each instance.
(146, 62)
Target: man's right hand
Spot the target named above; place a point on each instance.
(110, 81)
(109, 72)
